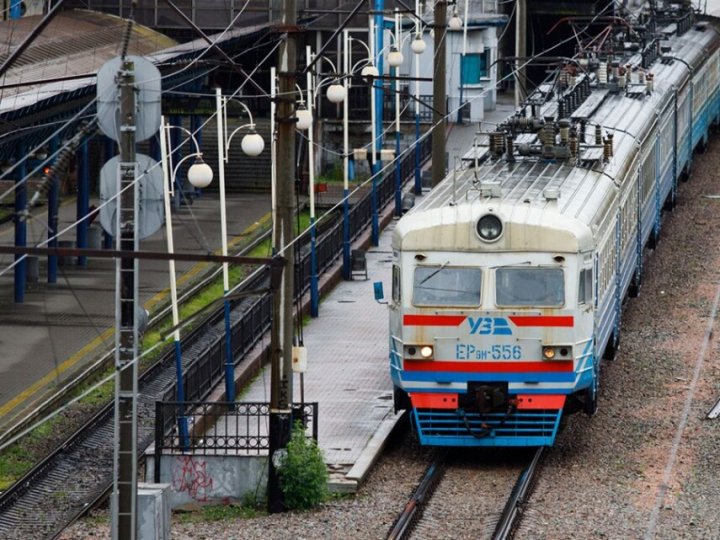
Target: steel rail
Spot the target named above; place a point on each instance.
(71, 387)
(149, 379)
(407, 519)
(513, 508)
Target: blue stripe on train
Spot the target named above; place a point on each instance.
(455, 428)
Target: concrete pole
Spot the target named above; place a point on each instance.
(281, 391)
(126, 335)
(439, 95)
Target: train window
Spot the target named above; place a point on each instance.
(544, 287)
(396, 283)
(447, 286)
(585, 295)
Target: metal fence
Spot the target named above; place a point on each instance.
(221, 427)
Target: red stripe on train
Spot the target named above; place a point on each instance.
(433, 320)
(542, 320)
(489, 367)
(434, 401)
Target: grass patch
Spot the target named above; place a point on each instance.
(14, 462)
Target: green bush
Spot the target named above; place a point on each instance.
(303, 473)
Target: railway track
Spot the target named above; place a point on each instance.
(74, 477)
(492, 492)
(72, 387)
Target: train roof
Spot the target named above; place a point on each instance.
(556, 204)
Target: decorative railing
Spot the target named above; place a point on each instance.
(221, 427)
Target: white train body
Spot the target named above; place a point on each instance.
(492, 339)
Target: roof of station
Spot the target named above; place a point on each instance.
(59, 68)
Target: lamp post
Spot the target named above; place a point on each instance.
(305, 122)
(375, 92)
(337, 93)
(395, 59)
(252, 145)
(200, 175)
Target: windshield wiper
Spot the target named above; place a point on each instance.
(442, 267)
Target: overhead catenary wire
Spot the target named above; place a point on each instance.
(450, 114)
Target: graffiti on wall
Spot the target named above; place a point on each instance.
(190, 476)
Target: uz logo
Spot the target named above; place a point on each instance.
(496, 326)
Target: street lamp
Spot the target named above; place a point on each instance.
(455, 22)
(335, 92)
(200, 175)
(252, 145)
(395, 59)
(305, 122)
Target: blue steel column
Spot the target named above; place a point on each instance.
(109, 153)
(53, 207)
(15, 11)
(379, 105)
(314, 292)
(398, 190)
(20, 224)
(83, 199)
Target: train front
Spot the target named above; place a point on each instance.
(490, 323)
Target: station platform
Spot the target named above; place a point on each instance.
(348, 373)
(62, 328)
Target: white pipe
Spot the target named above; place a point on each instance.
(221, 179)
(398, 42)
(372, 96)
(346, 109)
(417, 59)
(311, 147)
(273, 170)
(465, 23)
(168, 226)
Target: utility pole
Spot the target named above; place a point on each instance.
(520, 51)
(282, 323)
(126, 335)
(439, 95)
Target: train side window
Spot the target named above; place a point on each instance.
(396, 283)
(585, 295)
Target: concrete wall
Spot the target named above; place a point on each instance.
(198, 479)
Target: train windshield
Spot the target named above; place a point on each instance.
(447, 286)
(543, 287)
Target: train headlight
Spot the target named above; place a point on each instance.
(419, 352)
(557, 352)
(489, 227)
